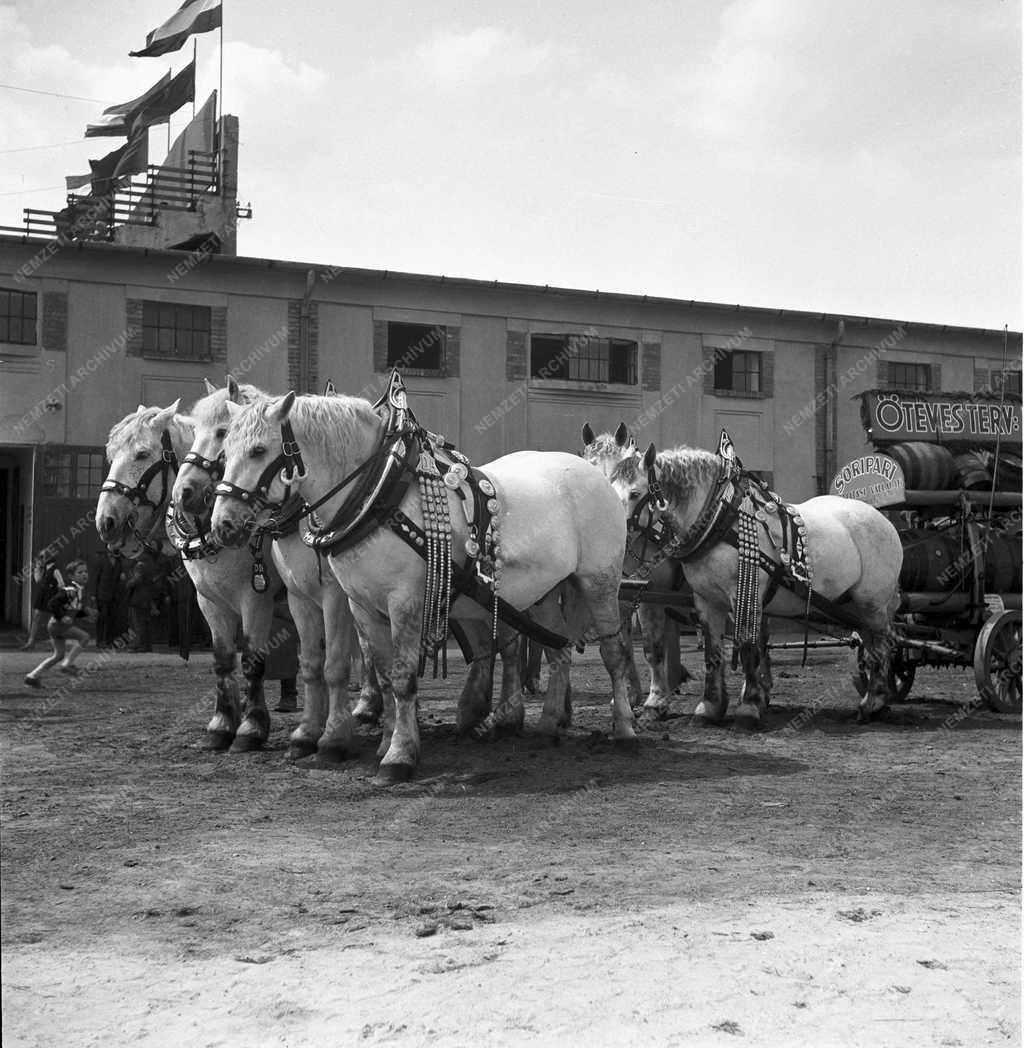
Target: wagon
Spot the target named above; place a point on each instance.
(947, 472)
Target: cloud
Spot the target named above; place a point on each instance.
(450, 60)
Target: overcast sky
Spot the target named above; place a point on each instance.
(842, 156)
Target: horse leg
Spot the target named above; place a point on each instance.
(654, 622)
(368, 705)
(556, 715)
(632, 675)
(375, 639)
(600, 593)
(220, 732)
(309, 620)
(873, 658)
(711, 708)
(764, 664)
(338, 741)
(403, 754)
(473, 716)
(257, 616)
(511, 712)
(752, 700)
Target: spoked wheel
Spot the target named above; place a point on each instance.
(997, 662)
(901, 676)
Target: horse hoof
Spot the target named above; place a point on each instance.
(706, 714)
(627, 745)
(392, 774)
(246, 744)
(504, 731)
(747, 722)
(334, 754)
(366, 715)
(300, 749)
(218, 740)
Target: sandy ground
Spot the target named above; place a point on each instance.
(818, 883)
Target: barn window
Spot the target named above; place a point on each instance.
(18, 317)
(738, 371)
(916, 378)
(72, 473)
(417, 346)
(176, 332)
(584, 358)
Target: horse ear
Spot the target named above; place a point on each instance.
(621, 435)
(649, 456)
(233, 389)
(162, 417)
(329, 390)
(234, 410)
(282, 407)
(210, 387)
(588, 434)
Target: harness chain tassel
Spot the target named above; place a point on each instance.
(747, 609)
(437, 589)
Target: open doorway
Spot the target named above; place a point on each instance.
(15, 555)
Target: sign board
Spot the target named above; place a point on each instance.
(940, 418)
(874, 479)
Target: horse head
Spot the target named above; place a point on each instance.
(607, 450)
(277, 447)
(254, 481)
(201, 467)
(143, 450)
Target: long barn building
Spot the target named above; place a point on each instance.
(89, 330)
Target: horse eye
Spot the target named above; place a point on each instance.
(258, 451)
(140, 455)
(221, 433)
(634, 494)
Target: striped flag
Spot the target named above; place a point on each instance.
(116, 120)
(194, 16)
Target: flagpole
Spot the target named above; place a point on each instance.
(220, 89)
(169, 70)
(193, 64)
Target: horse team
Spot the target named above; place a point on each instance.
(231, 485)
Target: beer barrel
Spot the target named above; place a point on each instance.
(1009, 472)
(1003, 573)
(971, 470)
(926, 467)
(932, 561)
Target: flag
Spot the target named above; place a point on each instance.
(116, 120)
(130, 159)
(160, 106)
(194, 16)
(77, 181)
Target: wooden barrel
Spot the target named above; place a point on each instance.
(1009, 472)
(972, 470)
(926, 467)
(932, 561)
(1003, 573)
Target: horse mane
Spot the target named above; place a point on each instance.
(206, 409)
(127, 430)
(604, 445)
(680, 470)
(325, 423)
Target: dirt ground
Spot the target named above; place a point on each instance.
(818, 883)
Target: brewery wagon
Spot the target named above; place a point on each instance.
(946, 469)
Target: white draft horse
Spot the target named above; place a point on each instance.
(145, 451)
(560, 524)
(327, 636)
(854, 554)
(642, 561)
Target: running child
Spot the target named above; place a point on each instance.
(67, 639)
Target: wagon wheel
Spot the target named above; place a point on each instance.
(901, 677)
(997, 662)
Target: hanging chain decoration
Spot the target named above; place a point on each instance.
(437, 590)
(747, 605)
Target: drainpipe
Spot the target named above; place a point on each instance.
(832, 414)
(305, 378)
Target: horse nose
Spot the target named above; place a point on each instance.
(187, 495)
(107, 526)
(224, 530)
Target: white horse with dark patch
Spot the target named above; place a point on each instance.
(561, 530)
(145, 451)
(327, 635)
(831, 558)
